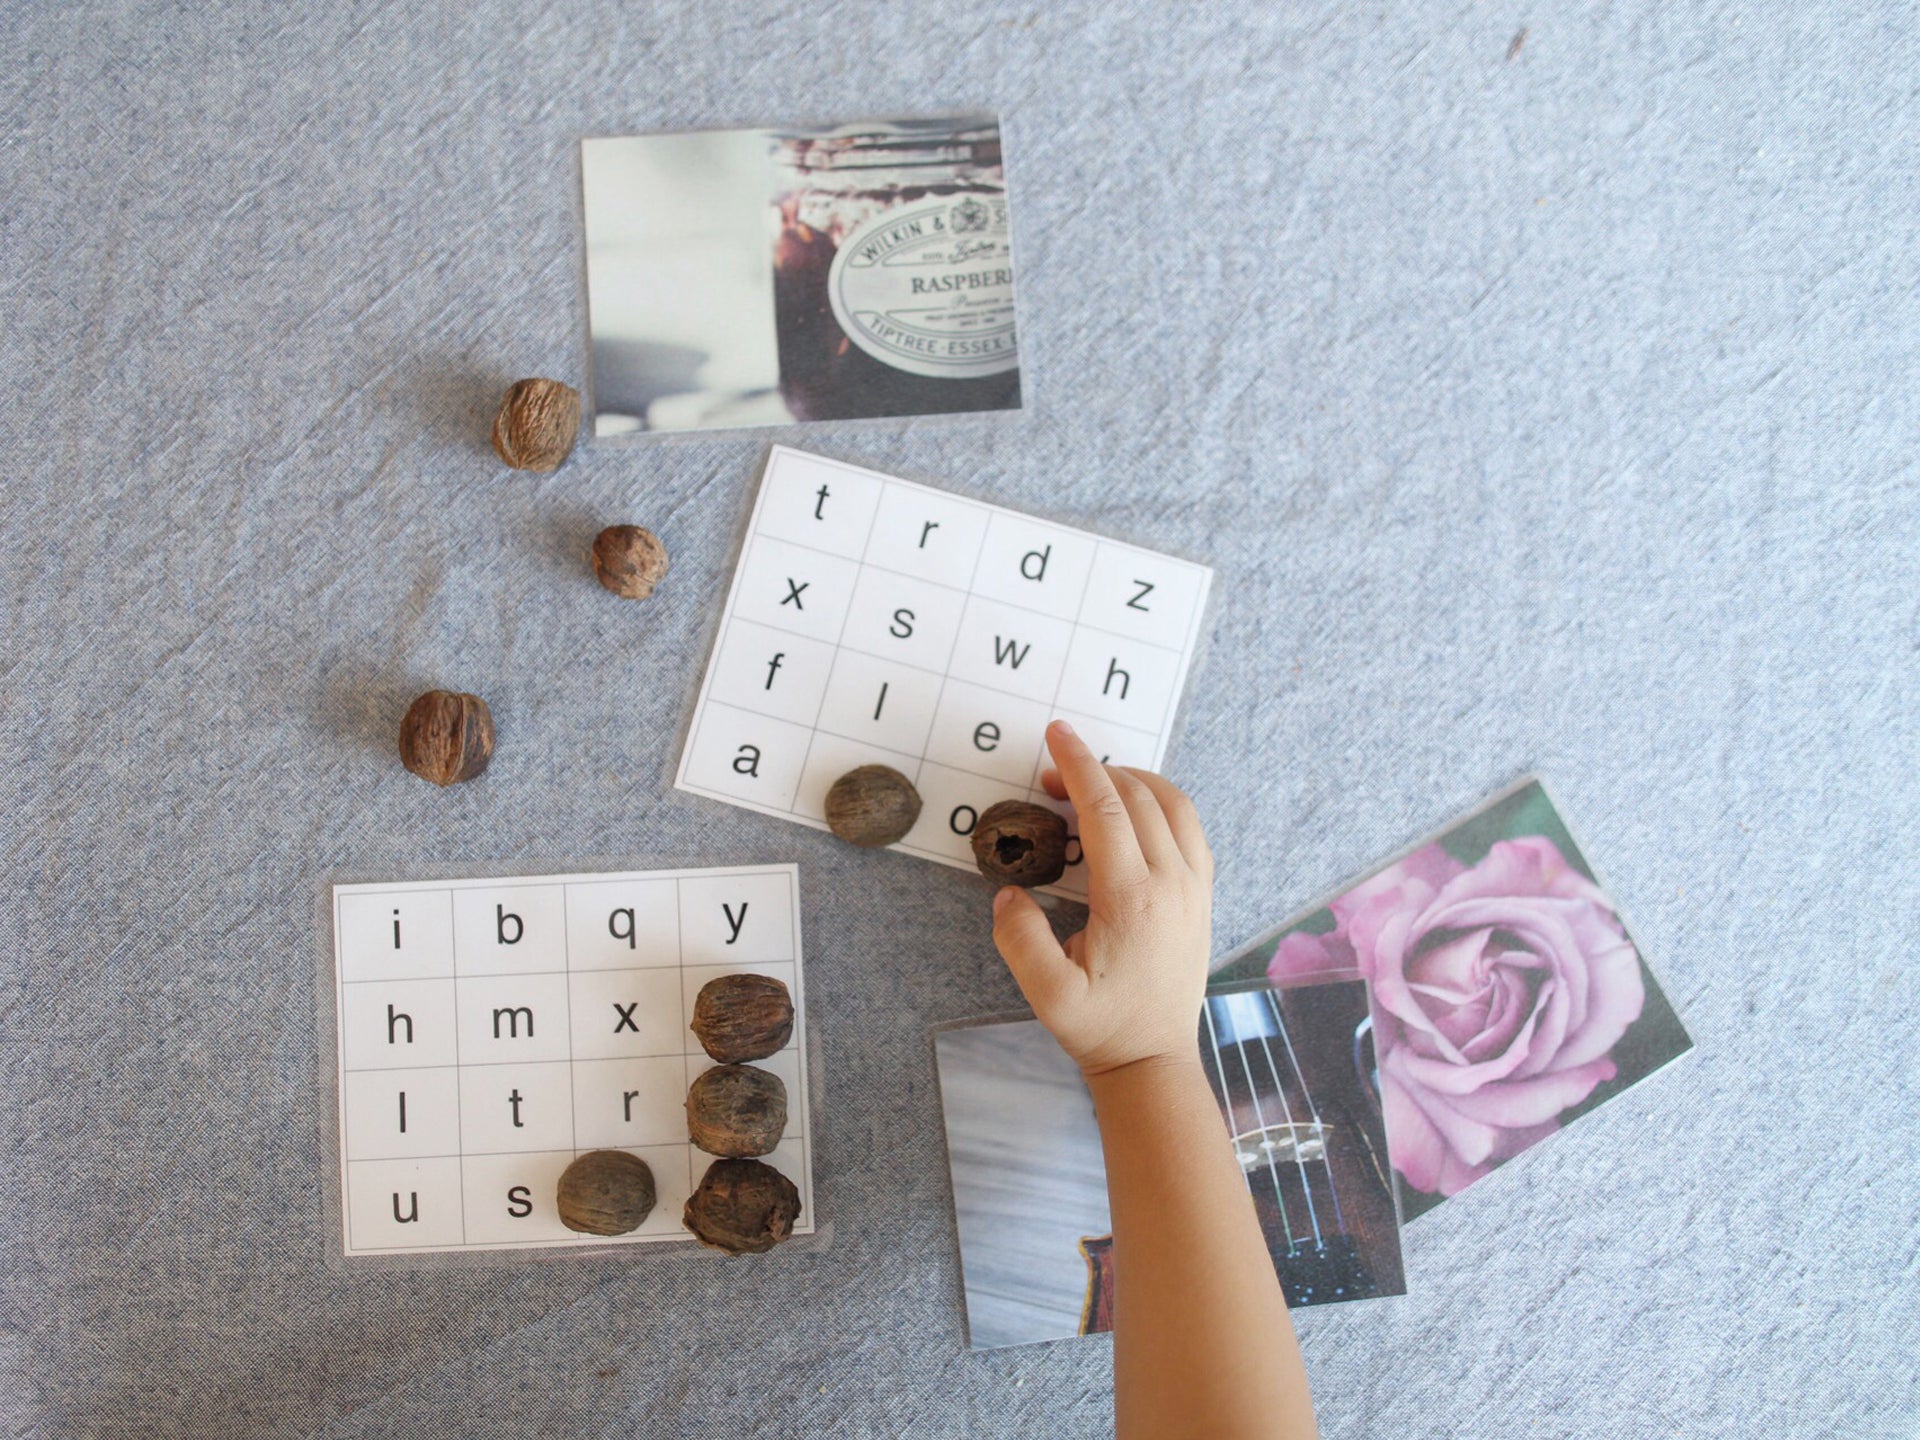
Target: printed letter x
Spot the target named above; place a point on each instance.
(626, 1017)
(793, 593)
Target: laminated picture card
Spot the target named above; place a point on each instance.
(1030, 1184)
(1508, 998)
(763, 277)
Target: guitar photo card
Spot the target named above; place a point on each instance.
(1508, 999)
(1030, 1187)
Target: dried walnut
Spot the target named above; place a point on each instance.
(537, 424)
(743, 1207)
(1017, 842)
(605, 1192)
(446, 736)
(871, 806)
(630, 561)
(742, 1017)
(737, 1110)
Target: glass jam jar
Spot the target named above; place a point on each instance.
(893, 272)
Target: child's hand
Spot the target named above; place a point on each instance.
(1129, 986)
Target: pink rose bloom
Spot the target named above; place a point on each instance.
(1498, 992)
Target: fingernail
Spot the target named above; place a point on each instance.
(1001, 897)
(1065, 729)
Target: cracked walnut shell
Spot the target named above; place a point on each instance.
(743, 1207)
(1017, 842)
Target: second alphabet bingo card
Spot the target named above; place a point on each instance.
(876, 621)
(492, 1030)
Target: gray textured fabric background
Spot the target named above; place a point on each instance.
(1549, 410)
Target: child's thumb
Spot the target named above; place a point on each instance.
(1026, 942)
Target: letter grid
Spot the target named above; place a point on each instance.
(875, 621)
(491, 1030)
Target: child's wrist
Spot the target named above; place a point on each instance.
(1151, 1060)
(1146, 1078)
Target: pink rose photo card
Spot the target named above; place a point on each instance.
(1507, 998)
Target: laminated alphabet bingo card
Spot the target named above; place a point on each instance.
(876, 621)
(492, 1030)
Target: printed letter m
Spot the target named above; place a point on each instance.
(513, 1021)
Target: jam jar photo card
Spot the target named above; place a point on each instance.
(1507, 997)
(764, 277)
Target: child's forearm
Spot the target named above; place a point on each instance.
(1202, 1342)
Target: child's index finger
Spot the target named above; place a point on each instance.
(1106, 830)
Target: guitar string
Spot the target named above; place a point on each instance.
(1280, 1087)
(1326, 1150)
(1226, 1091)
(1220, 1063)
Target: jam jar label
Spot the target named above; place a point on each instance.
(928, 287)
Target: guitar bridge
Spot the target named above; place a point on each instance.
(1280, 1145)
